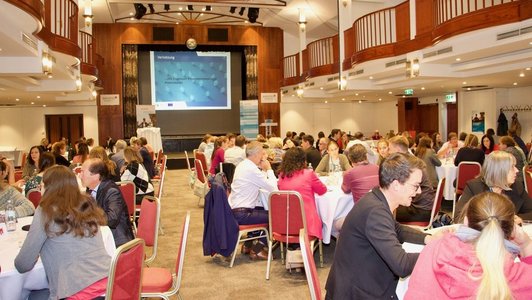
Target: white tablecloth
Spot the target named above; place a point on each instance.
(14, 285)
(447, 170)
(153, 135)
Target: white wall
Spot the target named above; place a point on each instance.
(518, 97)
(350, 117)
(24, 127)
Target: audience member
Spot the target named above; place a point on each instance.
(23, 206)
(231, 137)
(322, 146)
(425, 152)
(45, 161)
(382, 150)
(488, 144)
(204, 142)
(359, 139)
(90, 143)
(369, 258)
(363, 176)
(147, 159)
(436, 140)
(461, 139)
(134, 171)
(312, 154)
(336, 135)
(65, 234)
(236, 154)
(320, 135)
(31, 166)
(376, 135)
(498, 174)
(59, 150)
(275, 150)
(288, 136)
(218, 154)
(118, 157)
(95, 177)
(82, 154)
(251, 175)
(518, 140)
(470, 151)
(333, 161)
(477, 261)
(294, 176)
(449, 148)
(99, 152)
(507, 144)
(45, 145)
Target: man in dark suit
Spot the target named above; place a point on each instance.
(147, 159)
(369, 258)
(95, 176)
(313, 155)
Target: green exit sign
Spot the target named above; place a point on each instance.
(409, 92)
(450, 97)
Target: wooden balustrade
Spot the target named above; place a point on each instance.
(60, 29)
(446, 10)
(323, 56)
(375, 29)
(87, 45)
(291, 69)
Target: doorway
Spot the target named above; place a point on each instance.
(69, 126)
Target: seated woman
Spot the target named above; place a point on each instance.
(449, 148)
(294, 176)
(488, 144)
(59, 150)
(508, 144)
(498, 174)
(477, 261)
(470, 151)
(436, 141)
(333, 161)
(32, 163)
(425, 152)
(23, 206)
(65, 234)
(382, 150)
(46, 161)
(275, 150)
(82, 154)
(363, 176)
(134, 171)
(99, 152)
(218, 154)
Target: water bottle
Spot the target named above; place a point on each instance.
(11, 216)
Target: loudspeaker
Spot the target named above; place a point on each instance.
(217, 34)
(163, 33)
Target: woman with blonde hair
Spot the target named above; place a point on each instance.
(470, 151)
(275, 150)
(477, 261)
(498, 174)
(382, 150)
(134, 171)
(99, 152)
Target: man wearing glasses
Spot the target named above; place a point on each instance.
(369, 257)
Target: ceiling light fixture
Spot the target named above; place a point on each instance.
(47, 63)
(515, 83)
(522, 74)
(78, 84)
(464, 82)
(344, 3)
(190, 7)
(458, 59)
(32, 103)
(302, 20)
(208, 8)
(342, 84)
(528, 69)
(87, 13)
(299, 91)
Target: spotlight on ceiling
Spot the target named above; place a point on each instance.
(140, 10)
(190, 7)
(152, 10)
(167, 7)
(232, 9)
(208, 8)
(241, 12)
(253, 14)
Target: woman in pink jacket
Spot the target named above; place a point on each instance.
(477, 261)
(294, 176)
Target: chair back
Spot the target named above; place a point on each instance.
(18, 175)
(203, 159)
(467, 170)
(436, 207)
(188, 162)
(34, 195)
(286, 215)
(159, 191)
(148, 227)
(159, 157)
(527, 172)
(199, 167)
(125, 272)
(181, 251)
(228, 169)
(310, 266)
(127, 188)
(162, 165)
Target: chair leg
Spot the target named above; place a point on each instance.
(268, 265)
(454, 205)
(282, 252)
(236, 249)
(320, 246)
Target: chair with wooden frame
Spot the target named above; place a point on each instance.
(160, 282)
(436, 206)
(125, 272)
(310, 266)
(128, 190)
(466, 171)
(148, 228)
(287, 217)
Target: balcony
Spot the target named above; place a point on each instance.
(88, 56)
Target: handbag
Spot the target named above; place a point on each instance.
(442, 219)
(294, 259)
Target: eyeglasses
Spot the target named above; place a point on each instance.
(415, 186)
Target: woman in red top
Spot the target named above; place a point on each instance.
(295, 177)
(218, 153)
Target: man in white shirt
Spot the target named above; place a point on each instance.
(236, 154)
(251, 175)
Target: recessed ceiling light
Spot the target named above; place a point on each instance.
(343, 99)
(359, 101)
(1, 49)
(131, 13)
(422, 88)
(326, 101)
(356, 94)
(404, 96)
(528, 69)
(371, 77)
(38, 97)
(464, 82)
(17, 99)
(380, 99)
(515, 83)
(390, 92)
(293, 95)
(33, 103)
(177, 23)
(246, 21)
(203, 9)
(181, 8)
(201, 14)
(321, 88)
(530, 43)
(458, 59)
(50, 76)
(522, 74)
(132, 19)
(468, 89)
(44, 105)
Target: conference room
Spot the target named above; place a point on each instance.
(174, 72)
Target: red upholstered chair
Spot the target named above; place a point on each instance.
(201, 186)
(160, 282)
(438, 198)
(162, 169)
(203, 159)
(23, 160)
(18, 175)
(527, 172)
(287, 217)
(159, 158)
(34, 195)
(467, 170)
(77, 170)
(243, 230)
(310, 266)
(125, 273)
(148, 228)
(127, 188)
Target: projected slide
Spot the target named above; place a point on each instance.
(188, 80)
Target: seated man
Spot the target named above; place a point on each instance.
(236, 154)
(244, 198)
(359, 137)
(369, 258)
(313, 155)
(363, 176)
(95, 176)
(421, 207)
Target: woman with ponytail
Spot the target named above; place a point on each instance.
(478, 260)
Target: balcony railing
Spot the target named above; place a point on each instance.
(449, 9)
(323, 56)
(60, 30)
(87, 44)
(375, 29)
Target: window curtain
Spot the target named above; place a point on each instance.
(251, 73)
(130, 83)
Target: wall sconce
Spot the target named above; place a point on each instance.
(87, 13)
(78, 84)
(299, 91)
(302, 20)
(342, 84)
(47, 63)
(412, 68)
(344, 3)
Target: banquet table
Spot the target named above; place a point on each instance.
(153, 136)
(13, 285)
(331, 206)
(447, 170)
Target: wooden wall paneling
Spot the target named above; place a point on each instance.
(402, 21)
(424, 17)
(349, 47)
(452, 118)
(401, 116)
(428, 118)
